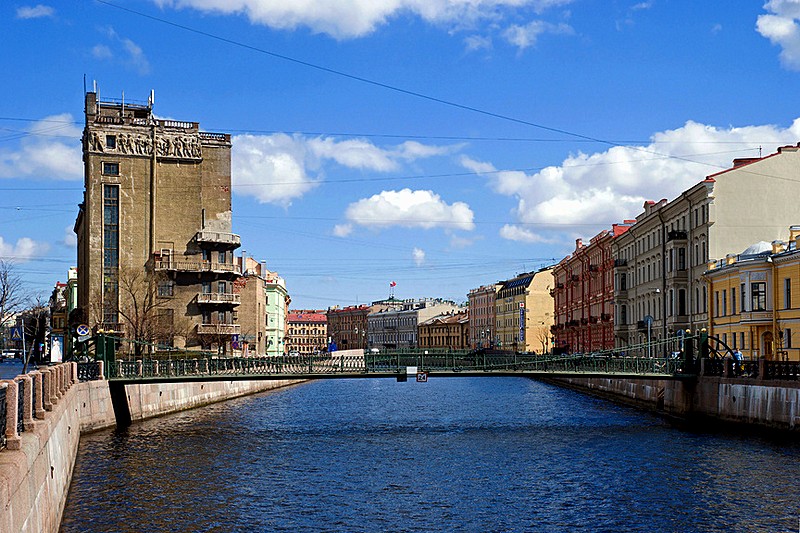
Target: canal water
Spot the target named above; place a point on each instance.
(466, 454)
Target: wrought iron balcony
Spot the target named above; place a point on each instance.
(219, 329)
(194, 266)
(205, 236)
(219, 298)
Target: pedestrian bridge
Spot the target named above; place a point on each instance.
(388, 364)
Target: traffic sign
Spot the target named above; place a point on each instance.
(16, 334)
(82, 330)
(422, 377)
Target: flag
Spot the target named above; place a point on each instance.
(392, 284)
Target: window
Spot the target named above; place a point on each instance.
(758, 297)
(787, 293)
(682, 302)
(733, 304)
(221, 257)
(716, 303)
(111, 169)
(787, 338)
(166, 289)
(743, 293)
(206, 255)
(671, 302)
(681, 258)
(111, 141)
(110, 253)
(222, 287)
(724, 302)
(733, 338)
(741, 340)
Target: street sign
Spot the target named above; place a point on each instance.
(82, 330)
(422, 377)
(16, 334)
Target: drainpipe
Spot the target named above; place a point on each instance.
(663, 277)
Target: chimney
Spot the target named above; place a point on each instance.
(778, 247)
(730, 259)
(794, 232)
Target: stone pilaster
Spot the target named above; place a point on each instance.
(27, 412)
(13, 440)
(39, 407)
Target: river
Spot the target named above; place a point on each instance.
(459, 454)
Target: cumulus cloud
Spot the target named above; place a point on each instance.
(344, 19)
(49, 149)
(419, 256)
(410, 209)
(780, 26)
(122, 49)
(35, 12)
(24, 250)
(280, 168)
(526, 36)
(598, 189)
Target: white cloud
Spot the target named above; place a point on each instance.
(50, 149)
(513, 232)
(130, 54)
(70, 239)
(35, 12)
(598, 189)
(478, 42)
(526, 36)
(642, 5)
(24, 250)
(716, 28)
(279, 168)
(419, 256)
(781, 27)
(410, 209)
(343, 19)
(342, 230)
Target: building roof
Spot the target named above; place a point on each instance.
(306, 316)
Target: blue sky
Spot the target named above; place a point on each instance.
(495, 132)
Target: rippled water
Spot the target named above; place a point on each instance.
(480, 454)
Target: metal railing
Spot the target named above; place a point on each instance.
(20, 406)
(219, 298)
(88, 371)
(3, 388)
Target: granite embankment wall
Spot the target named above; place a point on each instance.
(771, 404)
(36, 464)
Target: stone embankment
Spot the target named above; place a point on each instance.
(43, 414)
(757, 394)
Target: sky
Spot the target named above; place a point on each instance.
(439, 144)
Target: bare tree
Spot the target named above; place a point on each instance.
(543, 336)
(142, 311)
(12, 300)
(35, 323)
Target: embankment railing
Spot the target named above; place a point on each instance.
(28, 397)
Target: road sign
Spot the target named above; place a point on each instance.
(422, 377)
(16, 334)
(82, 330)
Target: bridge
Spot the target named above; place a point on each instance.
(656, 360)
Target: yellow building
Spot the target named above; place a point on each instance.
(751, 305)
(524, 312)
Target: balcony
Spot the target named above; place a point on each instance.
(219, 329)
(219, 298)
(226, 240)
(194, 266)
(678, 275)
(620, 262)
(676, 235)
